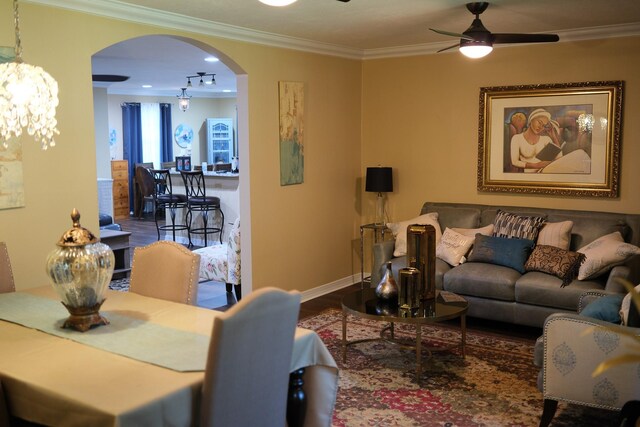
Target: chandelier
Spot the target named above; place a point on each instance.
(28, 98)
(183, 99)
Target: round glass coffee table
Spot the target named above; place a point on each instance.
(364, 304)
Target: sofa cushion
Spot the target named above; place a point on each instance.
(487, 230)
(453, 246)
(481, 280)
(605, 308)
(542, 289)
(511, 225)
(511, 253)
(605, 253)
(559, 262)
(454, 215)
(556, 234)
(399, 230)
(626, 313)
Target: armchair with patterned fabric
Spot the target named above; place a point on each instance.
(571, 348)
(221, 262)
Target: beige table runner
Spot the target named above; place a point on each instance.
(138, 339)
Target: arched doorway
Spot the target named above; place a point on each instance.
(170, 67)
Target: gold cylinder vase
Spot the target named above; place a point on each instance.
(421, 254)
(409, 292)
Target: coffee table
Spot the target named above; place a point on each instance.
(364, 304)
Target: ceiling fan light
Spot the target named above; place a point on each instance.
(277, 2)
(476, 50)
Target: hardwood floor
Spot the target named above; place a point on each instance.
(143, 232)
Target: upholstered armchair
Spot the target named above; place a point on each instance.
(571, 348)
(221, 262)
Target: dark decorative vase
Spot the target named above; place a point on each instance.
(387, 289)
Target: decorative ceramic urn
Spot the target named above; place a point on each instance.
(80, 269)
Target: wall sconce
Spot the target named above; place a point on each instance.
(183, 99)
(28, 96)
(379, 180)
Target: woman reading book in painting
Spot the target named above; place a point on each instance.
(538, 145)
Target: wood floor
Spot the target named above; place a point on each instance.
(143, 232)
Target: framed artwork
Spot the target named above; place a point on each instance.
(557, 139)
(183, 163)
(183, 135)
(291, 135)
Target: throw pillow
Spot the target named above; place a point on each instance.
(625, 308)
(511, 253)
(453, 246)
(605, 308)
(556, 234)
(511, 225)
(399, 230)
(552, 260)
(604, 253)
(486, 231)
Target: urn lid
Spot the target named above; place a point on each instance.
(77, 235)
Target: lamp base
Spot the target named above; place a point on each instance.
(380, 217)
(84, 318)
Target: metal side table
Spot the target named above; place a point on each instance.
(379, 231)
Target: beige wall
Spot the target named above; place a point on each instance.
(420, 116)
(300, 233)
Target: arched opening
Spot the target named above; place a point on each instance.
(164, 62)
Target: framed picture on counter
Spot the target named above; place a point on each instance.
(183, 163)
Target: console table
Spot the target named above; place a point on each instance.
(118, 241)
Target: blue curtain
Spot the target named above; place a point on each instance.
(166, 136)
(132, 140)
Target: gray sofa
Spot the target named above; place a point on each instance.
(502, 293)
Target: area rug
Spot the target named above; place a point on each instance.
(494, 385)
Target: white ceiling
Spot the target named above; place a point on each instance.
(358, 29)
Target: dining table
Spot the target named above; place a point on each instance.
(146, 368)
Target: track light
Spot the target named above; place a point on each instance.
(277, 2)
(201, 75)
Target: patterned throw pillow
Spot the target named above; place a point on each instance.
(559, 262)
(511, 253)
(511, 226)
(453, 246)
(604, 253)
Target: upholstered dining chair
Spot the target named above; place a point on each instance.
(165, 270)
(247, 373)
(6, 275)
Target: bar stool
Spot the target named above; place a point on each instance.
(163, 199)
(198, 201)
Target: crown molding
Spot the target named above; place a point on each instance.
(144, 15)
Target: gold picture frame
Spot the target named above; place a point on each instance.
(517, 122)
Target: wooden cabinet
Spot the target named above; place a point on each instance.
(120, 175)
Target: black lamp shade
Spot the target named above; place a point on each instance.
(379, 180)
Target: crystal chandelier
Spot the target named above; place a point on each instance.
(28, 98)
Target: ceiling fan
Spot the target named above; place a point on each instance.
(476, 41)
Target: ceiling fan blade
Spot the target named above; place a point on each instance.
(447, 33)
(447, 48)
(524, 38)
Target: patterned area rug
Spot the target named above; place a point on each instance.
(495, 385)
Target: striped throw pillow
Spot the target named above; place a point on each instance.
(514, 226)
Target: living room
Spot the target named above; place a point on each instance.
(417, 114)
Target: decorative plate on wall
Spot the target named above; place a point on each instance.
(183, 135)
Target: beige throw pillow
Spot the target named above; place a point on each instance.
(485, 231)
(399, 230)
(556, 234)
(604, 253)
(626, 305)
(453, 246)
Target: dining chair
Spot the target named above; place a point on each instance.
(144, 188)
(6, 275)
(247, 372)
(165, 270)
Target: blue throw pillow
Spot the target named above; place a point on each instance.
(511, 253)
(605, 308)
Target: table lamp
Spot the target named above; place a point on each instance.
(379, 180)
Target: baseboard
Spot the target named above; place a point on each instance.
(330, 287)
